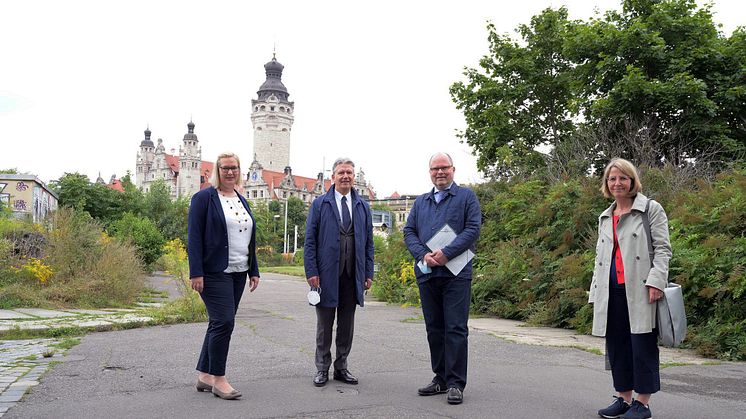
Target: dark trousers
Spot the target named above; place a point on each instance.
(221, 293)
(445, 305)
(633, 357)
(345, 313)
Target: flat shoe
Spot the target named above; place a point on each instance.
(202, 386)
(233, 395)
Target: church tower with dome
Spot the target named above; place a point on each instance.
(272, 119)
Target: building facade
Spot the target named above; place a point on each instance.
(27, 196)
(268, 176)
(184, 174)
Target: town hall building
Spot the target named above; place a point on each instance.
(268, 177)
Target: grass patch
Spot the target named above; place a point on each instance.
(673, 364)
(413, 319)
(66, 343)
(53, 333)
(187, 309)
(594, 351)
(298, 271)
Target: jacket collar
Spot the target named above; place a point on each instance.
(452, 190)
(330, 197)
(637, 205)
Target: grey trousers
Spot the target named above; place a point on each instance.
(345, 314)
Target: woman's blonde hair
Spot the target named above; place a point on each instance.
(626, 167)
(215, 179)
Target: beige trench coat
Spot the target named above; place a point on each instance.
(638, 273)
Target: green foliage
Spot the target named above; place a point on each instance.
(536, 252)
(69, 263)
(394, 278)
(142, 233)
(663, 64)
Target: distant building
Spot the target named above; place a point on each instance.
(27, 196)
(399, 205)
(267, 177)
(184, 174)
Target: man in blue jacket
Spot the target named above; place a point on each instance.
(445, 294)
(338, 258)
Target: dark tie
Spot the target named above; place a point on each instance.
(346, 221)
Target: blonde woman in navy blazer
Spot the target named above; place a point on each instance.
(222, 253)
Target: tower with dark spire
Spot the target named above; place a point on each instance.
(145, 159)
(272, 120)
(190, 157)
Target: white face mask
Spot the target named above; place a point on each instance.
(314, 296)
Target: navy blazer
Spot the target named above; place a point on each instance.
(207, 246)
(460, 210)
(321, 248)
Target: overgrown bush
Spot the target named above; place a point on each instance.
(142, 233)
(75, 264)
(394, 279)
(536, 251)
(189, 306)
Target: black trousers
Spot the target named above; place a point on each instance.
(445, 305)
(221, 293)
(634, 358)
(345, 313)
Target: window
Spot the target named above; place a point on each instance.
(272, 108)
(253, 194)
(284, 194)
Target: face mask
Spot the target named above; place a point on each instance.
(314, 296)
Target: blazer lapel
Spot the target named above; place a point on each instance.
(332, 200)
(215, 199)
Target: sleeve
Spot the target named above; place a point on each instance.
(592, 290)
(369, 249)
(309, 246)
(411, 238)
(658, 275)
(196, 234)
(467, 238)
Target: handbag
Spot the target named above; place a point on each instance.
(670, 313)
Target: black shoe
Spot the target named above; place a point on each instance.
(616, 409)
(455, 396)
(345, 377)
(638, 411)
(321, 378)
(432, 389)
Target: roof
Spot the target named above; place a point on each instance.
(116, 184)
(27, 177)
(394, 195)
(205, 169)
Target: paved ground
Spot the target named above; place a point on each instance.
(149, 372)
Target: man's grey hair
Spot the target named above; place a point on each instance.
(440, 153)
(342, 160)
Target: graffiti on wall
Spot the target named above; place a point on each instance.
(21, 186)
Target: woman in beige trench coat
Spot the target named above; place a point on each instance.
(626, 286)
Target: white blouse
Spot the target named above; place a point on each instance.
(239, 226)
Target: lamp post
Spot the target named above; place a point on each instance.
(274, 225)
(285, 243)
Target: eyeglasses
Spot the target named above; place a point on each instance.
(229, 168)
(621, 179)
(440, 168)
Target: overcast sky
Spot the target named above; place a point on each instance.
(81, 80)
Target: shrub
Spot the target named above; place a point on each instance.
(81, 266)
(141, 232)
(535, 255)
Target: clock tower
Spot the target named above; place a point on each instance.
(272, 119)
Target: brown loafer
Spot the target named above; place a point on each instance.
(202, 386)
(233, 395)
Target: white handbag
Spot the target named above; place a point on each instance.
(670, 314)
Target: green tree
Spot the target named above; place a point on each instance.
(662, 64)
(12, 171)
(73, 190)
(142, 233)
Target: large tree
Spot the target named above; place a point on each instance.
(662, 64)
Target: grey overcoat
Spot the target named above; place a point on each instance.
(636, 260)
